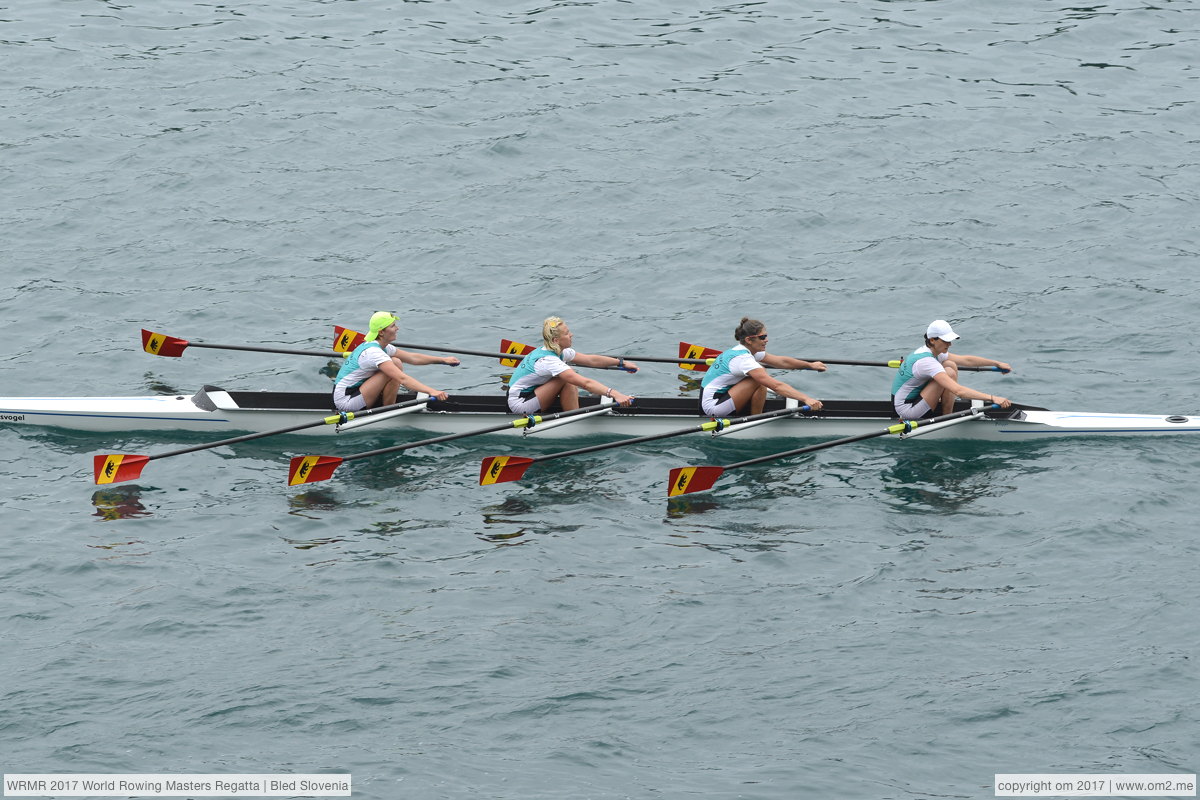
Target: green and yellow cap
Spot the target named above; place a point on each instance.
(379, 321)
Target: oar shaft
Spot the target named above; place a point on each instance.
(320, 353)
(892, 364)
(665, 360)
(450, 437)
(333, 419)
(707, 426)
(459, 351)
(850, 439)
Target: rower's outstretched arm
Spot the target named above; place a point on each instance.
(964, 360)
(420, 359)
(602, 362)
(787, 362)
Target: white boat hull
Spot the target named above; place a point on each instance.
(218, 413)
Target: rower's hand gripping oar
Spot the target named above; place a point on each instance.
(117, 467)
(159, 344)
(501, 469)
(310, 469)
(686, 480)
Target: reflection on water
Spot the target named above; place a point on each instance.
(949, 476)
(330, 370)
(309, 544)
(317, 499)
(680, 507)
(688, 384)
(119, 502)
(157, 385)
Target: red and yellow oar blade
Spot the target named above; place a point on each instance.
(501, 469)
(116, 467)
(696, 351)
(310, 469)
(685, 480)
(159, 344)
(345, 340)
(516, 349)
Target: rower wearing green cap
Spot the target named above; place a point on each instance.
(374, 372)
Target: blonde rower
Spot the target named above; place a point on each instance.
(545, 374)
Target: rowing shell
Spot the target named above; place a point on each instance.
(215, 411)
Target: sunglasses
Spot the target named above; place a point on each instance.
(760, 337)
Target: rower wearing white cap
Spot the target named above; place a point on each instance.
(375, 372)
(927, 382)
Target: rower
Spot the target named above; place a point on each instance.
(374, 372)
(737, 378)
(545, 374)
(927, 382)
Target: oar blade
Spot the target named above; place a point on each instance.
(159, 344)
(516, 349)
(501, 469)
(312, 469)
(345, 340)
(117, 467)
(686, 480)
(696, 351)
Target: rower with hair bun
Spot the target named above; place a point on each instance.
(545, 374)
(737, 378)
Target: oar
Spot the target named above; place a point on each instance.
(346, 340)
(685, 480)
(310, 469)
(159, 344)
(117, 467)
(501, 469)
(519, 349)
(691, 349)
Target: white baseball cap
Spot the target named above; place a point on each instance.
(940, 329)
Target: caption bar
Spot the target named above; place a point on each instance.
(1069, 785)
(165, 785)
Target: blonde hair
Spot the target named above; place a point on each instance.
(550, 328)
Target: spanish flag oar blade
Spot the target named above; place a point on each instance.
(117, 467)
(685, 480)
(345, 340)
(159, 344)
(695, 352)
(311, 469)
(501, 469)
(516, 350)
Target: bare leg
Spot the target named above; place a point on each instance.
(948, 398)
(376, 386)
(551, 389)
(748, 391)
